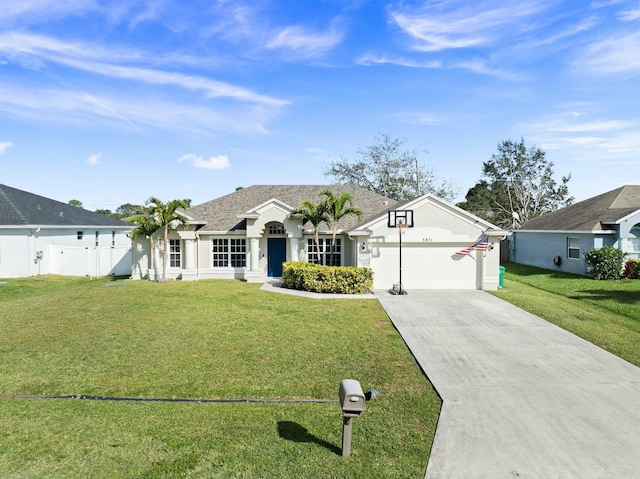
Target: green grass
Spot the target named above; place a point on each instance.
(606, 313)
(209, 339)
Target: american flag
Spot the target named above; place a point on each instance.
(481, 245)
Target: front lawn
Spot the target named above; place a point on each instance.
(606, 313)
(203, 340)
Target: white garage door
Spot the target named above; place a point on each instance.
(424, 266)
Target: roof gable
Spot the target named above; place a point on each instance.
(592, 214)
(442, 221)
(273, 202)
(21, 208)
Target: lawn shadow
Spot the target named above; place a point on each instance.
(626, 297)
(292, 431)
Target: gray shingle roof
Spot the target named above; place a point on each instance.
(590, 214)
(21, 208)
(220, 214)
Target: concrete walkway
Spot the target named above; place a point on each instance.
(522, 398)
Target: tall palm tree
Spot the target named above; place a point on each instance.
(339, 207)
(147, 227)
(314, 214)
(166, 217)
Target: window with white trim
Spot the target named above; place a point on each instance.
(175, 253)
(238, 251)
(229, 252)
(276, 229)
(573, 247)
(325, 255)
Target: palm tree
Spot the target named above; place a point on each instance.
(337, 208)
(314, 214)
(166, 217)
(147, 227)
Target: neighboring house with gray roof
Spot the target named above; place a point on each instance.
(560, 239)
(249, 233)
(43, 236)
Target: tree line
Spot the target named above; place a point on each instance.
(518, 182)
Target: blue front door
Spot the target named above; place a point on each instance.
(276, 255)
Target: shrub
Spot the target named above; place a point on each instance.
(605, 262)
(632, 269)
(326, 279)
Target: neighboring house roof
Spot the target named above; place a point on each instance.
(592, 214)
(21, 208)
(221, 214)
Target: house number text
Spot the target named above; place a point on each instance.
(427, 240)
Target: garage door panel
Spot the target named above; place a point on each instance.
(424, 267)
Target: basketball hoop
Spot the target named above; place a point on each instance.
(400, 219)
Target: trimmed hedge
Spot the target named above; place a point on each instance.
(326, 279)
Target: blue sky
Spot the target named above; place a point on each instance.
(113, 101)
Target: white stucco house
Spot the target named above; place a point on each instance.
(248, 234)
(43, 236)
(559, 240)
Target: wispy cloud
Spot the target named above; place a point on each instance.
(180, 101)
(604, 149)
(131, 111)
(94, 159)
(97, 60)
(418, 118)
(630, 15)
(4, 146)
(438, 26)
(592, 126)
(567, 31)
(603, 140)
(219, 162)
(302, 42)
(373, 59)
(617, 54)
(478, 65)
(131, 12)
(32, 11)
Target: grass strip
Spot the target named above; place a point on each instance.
(605, 313)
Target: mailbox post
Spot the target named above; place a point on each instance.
(352, 404)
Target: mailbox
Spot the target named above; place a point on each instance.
(351, 398)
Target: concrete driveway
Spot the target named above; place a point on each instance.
(522, 398)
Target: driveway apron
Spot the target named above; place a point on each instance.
(522, 398)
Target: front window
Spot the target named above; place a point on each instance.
(573, 248)
(174, 253)
(238, 251)
(325, 254)
(229, 252)
(277, 229)
(220, 252)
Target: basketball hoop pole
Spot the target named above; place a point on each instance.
(400, 226)
(399, 219)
